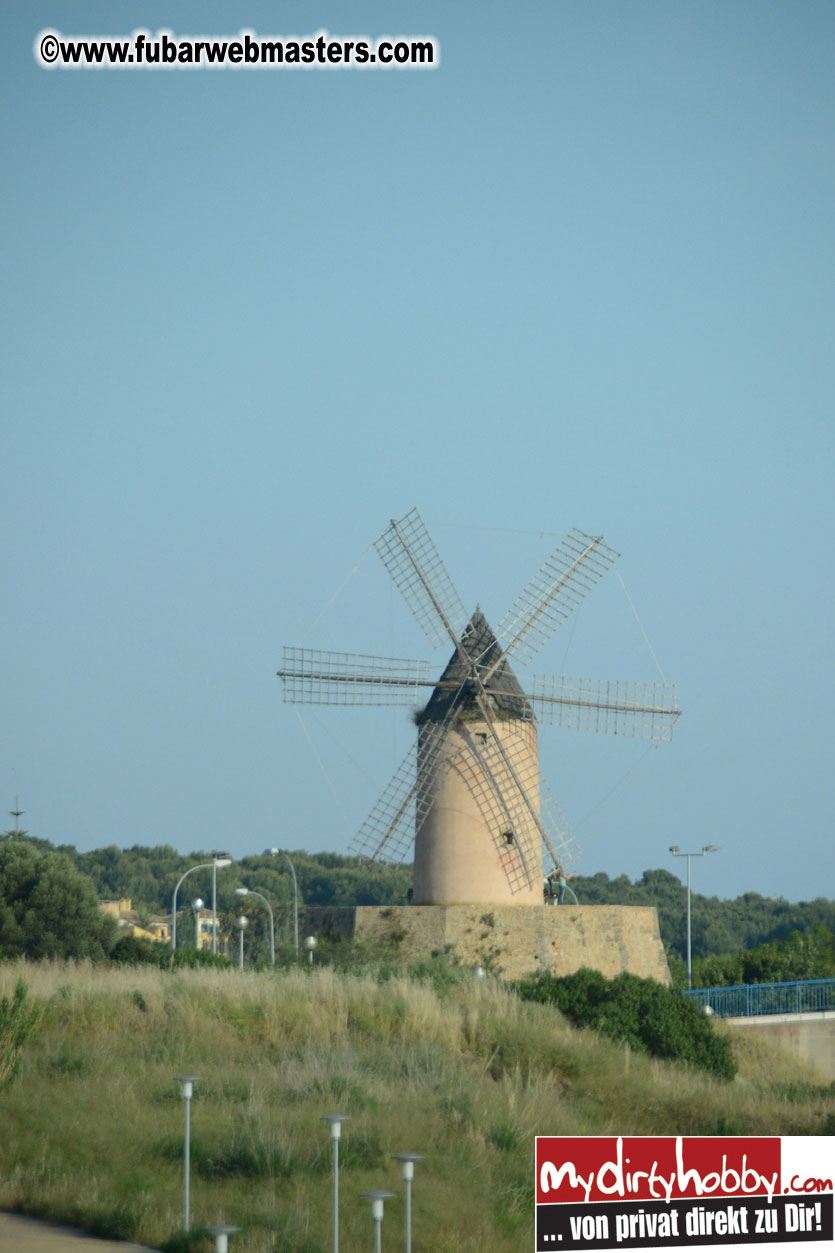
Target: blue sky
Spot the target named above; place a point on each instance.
(579, 275)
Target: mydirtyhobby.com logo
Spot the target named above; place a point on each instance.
(632, 1192)
(163, 50)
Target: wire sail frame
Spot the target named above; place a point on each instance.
(408, 553)
(554, 592)
(312, 677)
(643, 710)
(388, 832)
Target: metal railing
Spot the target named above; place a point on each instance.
(801, 996)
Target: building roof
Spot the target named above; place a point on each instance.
(507, 699)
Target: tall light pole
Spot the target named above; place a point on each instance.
(274, 852)
(218, 859)
(191, 870)
(252, 892)
(676, 852)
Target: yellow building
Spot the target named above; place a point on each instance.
(158, 926)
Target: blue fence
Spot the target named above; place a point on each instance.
(800, 997)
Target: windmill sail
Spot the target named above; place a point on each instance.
(313, 677)
(408, 553)
(388, 833)
(553, 593)
(644, 710)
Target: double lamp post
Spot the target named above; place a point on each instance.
(676, 852)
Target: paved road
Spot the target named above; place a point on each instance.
(30, 1235)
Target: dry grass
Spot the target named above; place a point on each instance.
(93, 1127)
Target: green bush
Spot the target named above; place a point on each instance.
(132, 950)
(640, 1012)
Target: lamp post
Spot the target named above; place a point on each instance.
(310, 943)
(377, 1198)
(218, 860)
(186, 1083)
(252, 892)
(676, 852)
(275, 852)
(241, 922)
(204, 866)
(197, 904)
(335, 1121)
(408, 1160)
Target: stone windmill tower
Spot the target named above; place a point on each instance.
(469, 794)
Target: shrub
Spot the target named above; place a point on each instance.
(640, 1012)
(132, 950)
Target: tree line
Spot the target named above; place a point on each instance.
(49, 904)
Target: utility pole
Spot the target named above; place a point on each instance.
(17, 813)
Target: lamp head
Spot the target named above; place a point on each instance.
(186, 1083)
(221, 1233)
(377, 1198)
(198, 902)
(674, 848)
(336, 1121)
(711, 848)
(242, 891)
(408, 1160)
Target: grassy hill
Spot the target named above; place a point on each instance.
(467, 1074)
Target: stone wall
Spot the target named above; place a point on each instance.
(510, 940)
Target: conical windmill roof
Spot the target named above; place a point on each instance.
(507, 699)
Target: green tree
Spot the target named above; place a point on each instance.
(48, 908)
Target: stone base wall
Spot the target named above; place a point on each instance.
(510, 940)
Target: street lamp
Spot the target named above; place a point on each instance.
(335, 1121)
(676, 852)
(217, 860)
(377, 1198)
(186, 1083)
(197, 904)
(310, 943)
(408, 1160)
(252, 892)
(241, 922)
(276, 852)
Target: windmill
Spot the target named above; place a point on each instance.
(469, 794)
